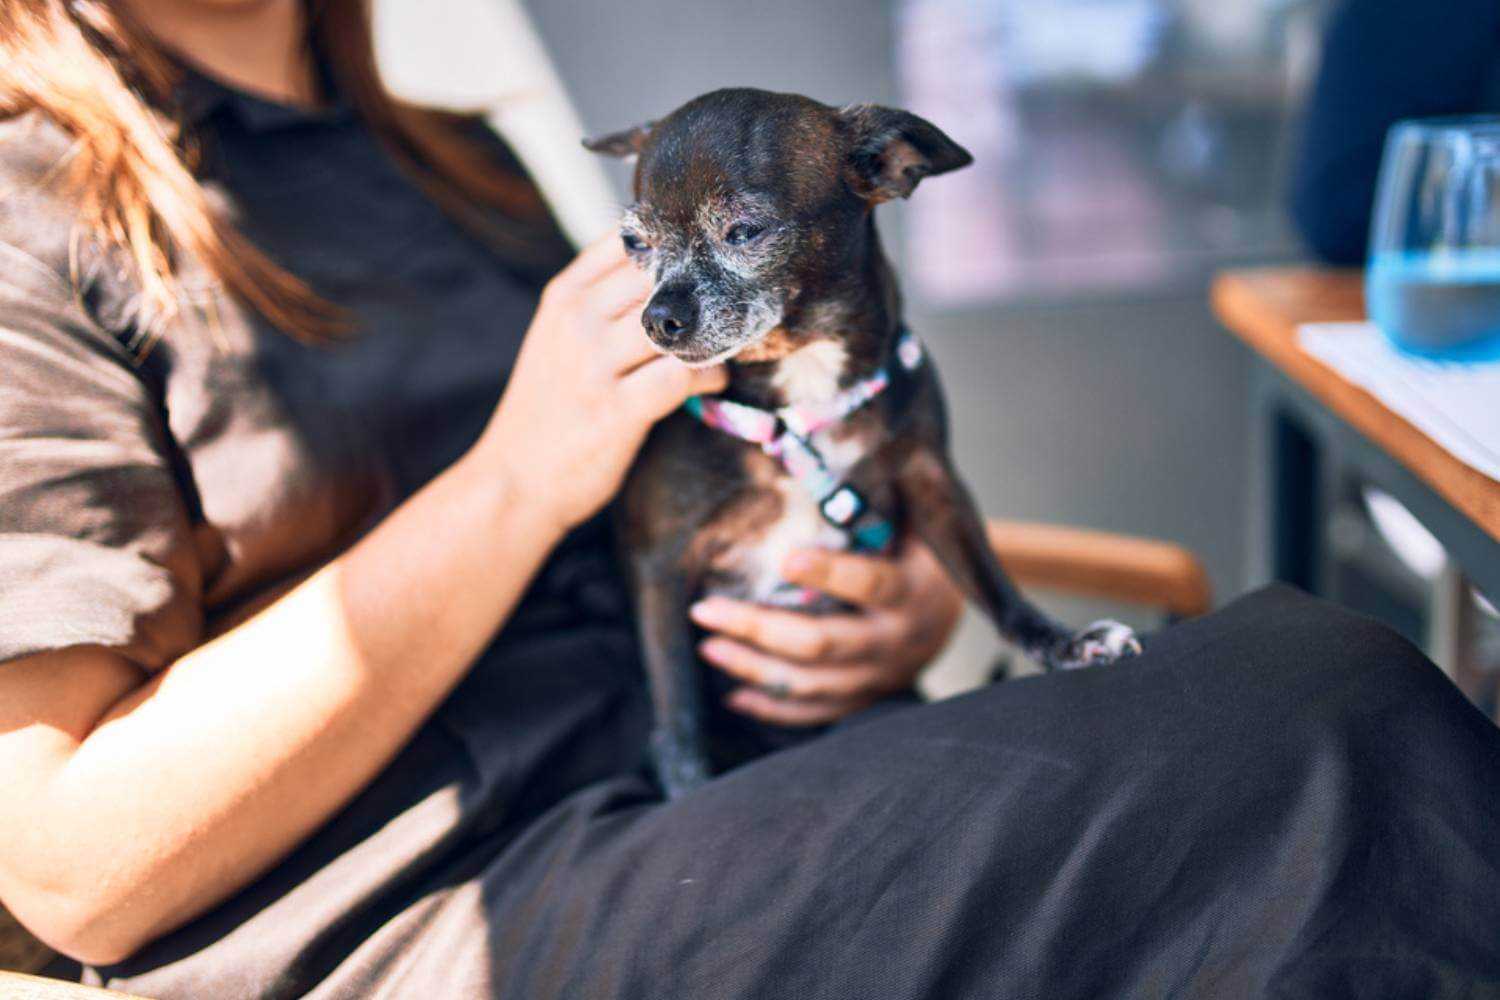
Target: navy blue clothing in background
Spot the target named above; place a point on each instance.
(1384, 60)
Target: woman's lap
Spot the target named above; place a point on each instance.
(1280, 799)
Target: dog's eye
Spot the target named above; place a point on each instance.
(742, 233)
(634, 243)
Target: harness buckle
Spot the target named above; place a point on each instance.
(843, 506)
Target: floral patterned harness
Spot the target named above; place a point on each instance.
(786, 434)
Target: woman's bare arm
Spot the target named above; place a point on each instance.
(137, 802)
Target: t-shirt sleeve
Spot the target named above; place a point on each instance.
(96, 544)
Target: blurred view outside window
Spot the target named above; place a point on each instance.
(1120, 145)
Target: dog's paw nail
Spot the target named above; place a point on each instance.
(1102, 642)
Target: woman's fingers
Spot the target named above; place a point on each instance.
(621, 294)
(862, 580)
(593, 262)
(616, 296)
(793, 635)
(629, 348)
(780, 712)
(824, 682)
(626, 346)
(662, 384)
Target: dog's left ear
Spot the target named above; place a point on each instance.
(891, 150)
(625, 143)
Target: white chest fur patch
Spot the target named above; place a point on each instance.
(800, 526)
(811, 374)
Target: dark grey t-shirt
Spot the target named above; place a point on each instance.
(143, 495)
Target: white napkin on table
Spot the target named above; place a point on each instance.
(1457, 405)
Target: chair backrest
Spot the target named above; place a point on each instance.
(485, 55)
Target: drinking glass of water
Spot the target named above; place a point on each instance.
(1433, 284)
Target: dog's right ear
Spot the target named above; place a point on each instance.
(891, 150)
(625, 144)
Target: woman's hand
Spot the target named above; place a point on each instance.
(806, 670)
(586, 387)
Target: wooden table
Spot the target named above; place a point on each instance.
(1317, 426)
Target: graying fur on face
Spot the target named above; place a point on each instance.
(738, 303)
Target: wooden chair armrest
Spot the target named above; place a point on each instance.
(1100, 564)
(15, 986)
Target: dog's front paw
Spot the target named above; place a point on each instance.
(1102, 642)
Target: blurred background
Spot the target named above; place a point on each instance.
(1125, 151)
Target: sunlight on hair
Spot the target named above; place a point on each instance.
(102, 79)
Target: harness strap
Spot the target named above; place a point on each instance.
(785, 434)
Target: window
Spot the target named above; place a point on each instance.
(1120, 145)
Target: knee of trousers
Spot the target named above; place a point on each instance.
(1321, 663)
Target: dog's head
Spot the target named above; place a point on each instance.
(746, 201)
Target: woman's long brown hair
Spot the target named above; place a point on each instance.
(85, 65)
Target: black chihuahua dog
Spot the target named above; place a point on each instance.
(753, 213)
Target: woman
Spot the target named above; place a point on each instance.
(315, 677)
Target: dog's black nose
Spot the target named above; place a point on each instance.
(671, 315)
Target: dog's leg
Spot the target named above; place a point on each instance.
(677, 739)
(945, 516)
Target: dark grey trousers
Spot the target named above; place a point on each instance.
(1278, 800)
